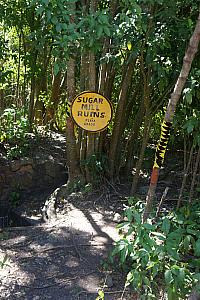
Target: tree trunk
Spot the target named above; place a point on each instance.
(32, 95)
(25, 69)
(133, 136)
(147, 123)
(82, 135)
(165, 130)
(55, 96)
(75, 175)
(117, 129)
(186, 170)
(91, 137)
(42, 87)
(194, 176)
(18, 71)
(2, 104)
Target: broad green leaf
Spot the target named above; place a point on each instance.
(40, 10)
(171, 294)
(137, 217)
(181, 275)
(159, 235)
(188, 97)
(107, 31)
(186, 242)
(149, 226)
(54, 20)
(46, 2)
(64, 26)
(172, 253)
(168, 277)
(99, 31)
(197, 248)
(197, 276)
(129, 214)
(166, 226)
(58, 27)
(56, 69)
(124, 254)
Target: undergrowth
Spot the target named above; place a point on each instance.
(162, 256)
(14, 131)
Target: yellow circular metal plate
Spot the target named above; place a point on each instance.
(91, 111)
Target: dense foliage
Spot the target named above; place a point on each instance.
(161, 256)
(131, 51)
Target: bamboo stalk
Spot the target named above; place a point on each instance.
(168, 118)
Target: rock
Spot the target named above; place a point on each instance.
(26, 161)
(44, 168)
(15, 165)
(26, 169)
(117, 217)
(194, 296)
(109, 281)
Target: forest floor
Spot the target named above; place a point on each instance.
(64, 259)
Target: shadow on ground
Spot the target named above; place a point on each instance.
(58, 262)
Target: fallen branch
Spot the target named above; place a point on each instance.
(73, 246)
(55, 283)
(162, 200)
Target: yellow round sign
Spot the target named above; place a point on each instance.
(91, 111)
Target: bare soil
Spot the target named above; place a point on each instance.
(63, 259)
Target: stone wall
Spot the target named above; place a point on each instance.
(29, 173)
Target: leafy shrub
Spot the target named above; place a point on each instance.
(14, 127)
(97, 165)
(160, 256)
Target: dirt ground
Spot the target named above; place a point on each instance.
(63, 259)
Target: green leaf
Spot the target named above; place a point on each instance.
(186, 242)
(107, 31)
(48, 14)
(129, 46)
(64, 26)
(190, 127)
(171, 294)
(168, 277)
(129, 277)
(172, 253)
(197, 248)
(181, 275)
(137, 217)
(159, 235)
(54, 20)
(188, 97)
(99, 31)
(46, 2)
(40, 10)
(124, 254)
(58, 27)
(56, 69)
(149, 226)
(138, 9)
(197, 276)
(166, 226)
(129, 214)
(101, 295)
